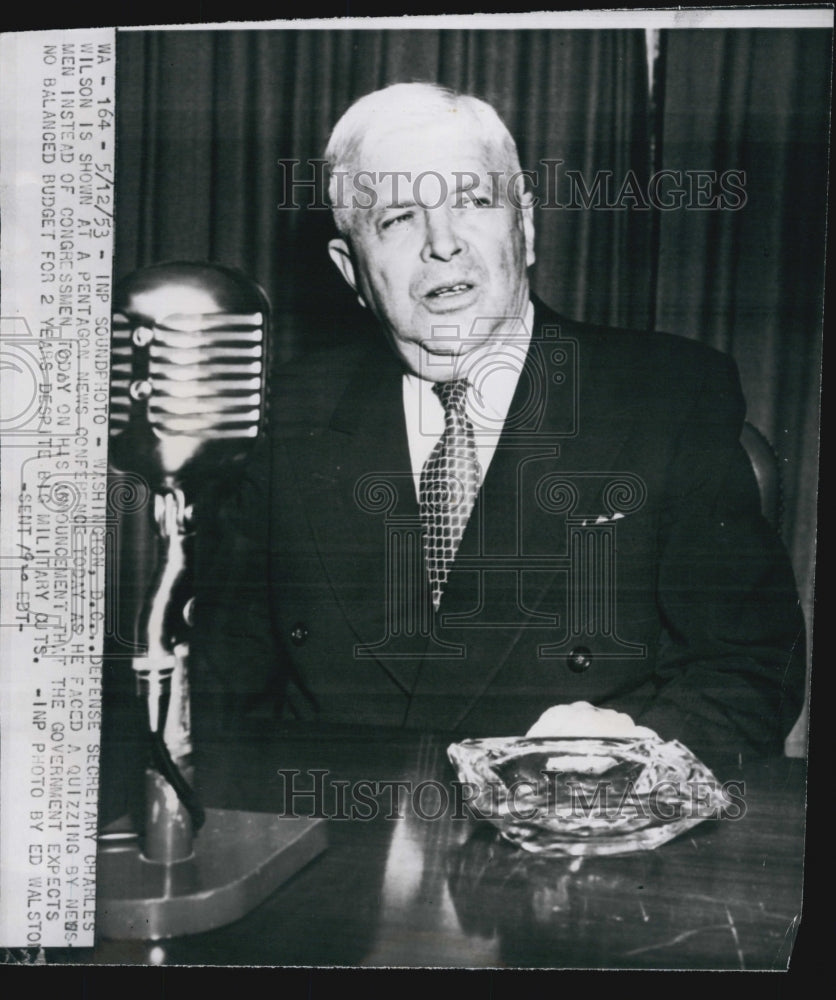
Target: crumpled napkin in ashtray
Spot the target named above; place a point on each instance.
(587, 795)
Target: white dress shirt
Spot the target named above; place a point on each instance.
(493, 374)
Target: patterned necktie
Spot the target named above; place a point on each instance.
(448, 487)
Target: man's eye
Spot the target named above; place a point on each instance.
(475, 201)
(396, 219)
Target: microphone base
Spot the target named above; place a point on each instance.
(239, 859)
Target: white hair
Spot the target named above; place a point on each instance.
(412, 105)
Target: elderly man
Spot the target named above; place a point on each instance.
(505, 509)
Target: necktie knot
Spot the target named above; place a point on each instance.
(452, 394)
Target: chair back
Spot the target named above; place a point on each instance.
(765, 464)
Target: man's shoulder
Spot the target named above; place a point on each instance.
(305, 392)
(649, 355)
(331, 365)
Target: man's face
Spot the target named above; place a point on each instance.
(441, 254)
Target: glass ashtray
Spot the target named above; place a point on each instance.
(581, 796)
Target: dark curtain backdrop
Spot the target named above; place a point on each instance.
(750, 282)
(204, 118)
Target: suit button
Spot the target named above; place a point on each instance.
(299, 633)
(579, 660)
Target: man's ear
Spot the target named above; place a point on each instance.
(341, 255)
(527, 211)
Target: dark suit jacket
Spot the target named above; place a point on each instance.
(616, 553)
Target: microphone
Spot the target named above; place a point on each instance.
(188, 380)
(188, 372)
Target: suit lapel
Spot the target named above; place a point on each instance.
(358, 489)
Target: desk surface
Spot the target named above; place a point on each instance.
(405, 890)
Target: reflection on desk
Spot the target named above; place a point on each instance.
(400, 889)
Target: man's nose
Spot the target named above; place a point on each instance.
(443, 240)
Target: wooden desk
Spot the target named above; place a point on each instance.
(411, 891)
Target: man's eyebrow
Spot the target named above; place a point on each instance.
(395, 205)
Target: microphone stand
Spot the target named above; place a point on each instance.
(172, 812)
(193, 870)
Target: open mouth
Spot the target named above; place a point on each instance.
(452, 296)
(446, 291)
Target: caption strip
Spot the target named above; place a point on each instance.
(58, 162)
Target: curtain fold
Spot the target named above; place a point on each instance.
(750, 280)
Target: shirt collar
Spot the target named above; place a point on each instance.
(493, 371)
